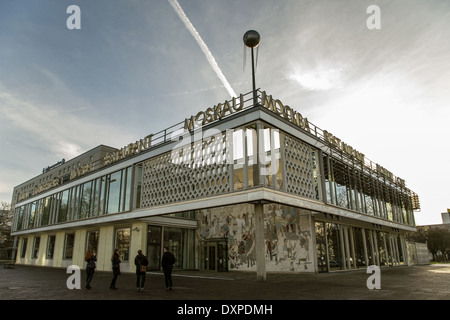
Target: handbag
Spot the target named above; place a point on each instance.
(143, 268)
(91, 264)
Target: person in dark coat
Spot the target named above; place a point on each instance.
(90, 267)
(141, 263)
(168, 260)
(115, 267)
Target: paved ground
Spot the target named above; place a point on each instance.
(430, 282)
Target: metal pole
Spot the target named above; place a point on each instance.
(255, 101)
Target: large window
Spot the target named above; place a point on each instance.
(154, 248)
(85, 200)
(20, 213)
(36, 243)
(92, 241)
(108, 194)
(64, 206)
(123, 243)
(119, 191)
(360, 255)
(248, 166)
(335, 246)
(115, 181)
(31, 220)
(269, 144)
(321, 247)
(138, 186)
(24, 247)
(46, 211)
(181, 242)
(51, 247)
(341, 247)
(69, 242)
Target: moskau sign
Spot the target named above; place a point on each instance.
(214, 113)
(296, 118)
(227, 108)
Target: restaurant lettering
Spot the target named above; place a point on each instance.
(333, 140)
(128, 150)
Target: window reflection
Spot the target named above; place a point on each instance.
(92, 240)
(68, 246)
(123, 243)
(63, 209)
(51, 246)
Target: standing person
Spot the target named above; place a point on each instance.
(168, 260)
(116, 268)
(141, 263)
(90, 267)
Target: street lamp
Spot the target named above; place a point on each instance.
(252, 40)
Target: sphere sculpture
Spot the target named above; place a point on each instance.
(252, 38)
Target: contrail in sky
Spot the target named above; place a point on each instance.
(176, 6)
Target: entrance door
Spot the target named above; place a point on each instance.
(154, 247)
(214, 255)
(321, 248)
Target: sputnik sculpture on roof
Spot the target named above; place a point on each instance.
(252, 40)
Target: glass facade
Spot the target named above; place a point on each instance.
(179, 241)
(355, 188)
(106, 195)
(342, 247)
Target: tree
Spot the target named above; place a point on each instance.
(438, 240)
(6, 241)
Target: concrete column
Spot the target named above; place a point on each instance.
(366, 257)
(260, 246)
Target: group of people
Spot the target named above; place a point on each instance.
(141, 262)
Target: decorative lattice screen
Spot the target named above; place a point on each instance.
(299, 175)
(195, 171)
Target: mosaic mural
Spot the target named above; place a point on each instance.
(288, 243)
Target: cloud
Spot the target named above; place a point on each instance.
(318, 79)
(52, 116)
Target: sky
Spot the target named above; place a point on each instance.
(137, 67)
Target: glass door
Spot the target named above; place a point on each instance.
(222, 256)
(154, 247)
(321, 247)
(214, 255)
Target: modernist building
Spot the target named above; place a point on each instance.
(238, 186)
